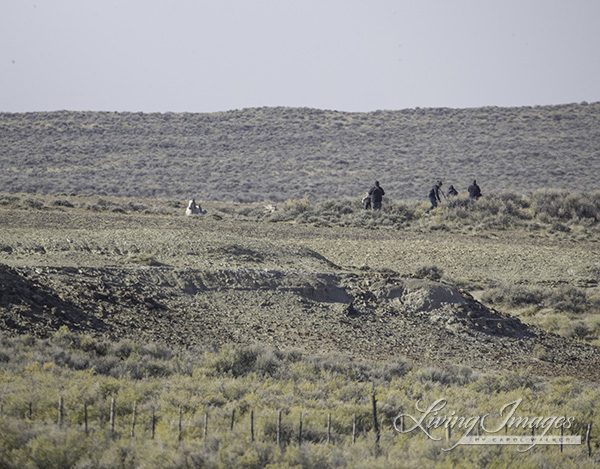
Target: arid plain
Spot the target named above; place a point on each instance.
(287, 297)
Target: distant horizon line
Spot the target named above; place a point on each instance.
(416, 108)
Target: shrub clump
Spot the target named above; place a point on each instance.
(564, 206)
(431, 272)
(515, 296)
(567, 299)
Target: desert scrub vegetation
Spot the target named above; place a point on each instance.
(326, 153)
(73, 400)
(142, 258)
(564, 309)
(91, 203)
(553, 209)
(542, 210)
(431, 272)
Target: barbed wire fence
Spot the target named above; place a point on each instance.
(277, 425)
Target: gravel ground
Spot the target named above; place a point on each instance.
(204, 281)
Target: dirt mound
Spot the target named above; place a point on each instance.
(27, 306)
(189, 283)
(318, 287)
(423, 295)
(366, 314)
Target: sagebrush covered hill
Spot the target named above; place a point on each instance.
(276, 154)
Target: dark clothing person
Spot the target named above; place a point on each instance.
(376, 192)
(434, 196)
(474, 191)
(452, 191)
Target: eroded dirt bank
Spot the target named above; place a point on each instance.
(205, 282)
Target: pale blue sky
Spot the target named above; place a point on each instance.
(347, 55)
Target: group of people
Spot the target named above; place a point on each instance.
(434, 194)
(373, 198)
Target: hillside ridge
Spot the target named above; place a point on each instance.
(276, 154)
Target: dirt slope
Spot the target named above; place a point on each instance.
(202, 281)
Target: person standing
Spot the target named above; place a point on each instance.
(434, 196)
(474, 191)
(376, 193)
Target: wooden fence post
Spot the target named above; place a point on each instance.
(279, 428)
(329, 428)
(375, 422)
(85, 419)
(179, 425)
(232, 419)
(60, 411)
(205, 425)
(300, 430)
(133, 418)
(153, 422)
(401, 418)
(587, 439)
(354, 429)
(30, 415)
(561, 438)
(252, 426)
(112, 415)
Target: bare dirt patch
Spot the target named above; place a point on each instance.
(203, 282)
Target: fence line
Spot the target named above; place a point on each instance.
(29, 414)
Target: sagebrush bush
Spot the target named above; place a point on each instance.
(567, 299)
(580, 330)
(431, 272)
(62, 203)
(562, 205)
(508, 382)
(516, 296)
(33, 204)
(6, 200)
(143, 258)
(237, 361)
(447, 376)
(295, 207)
(563, 302)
